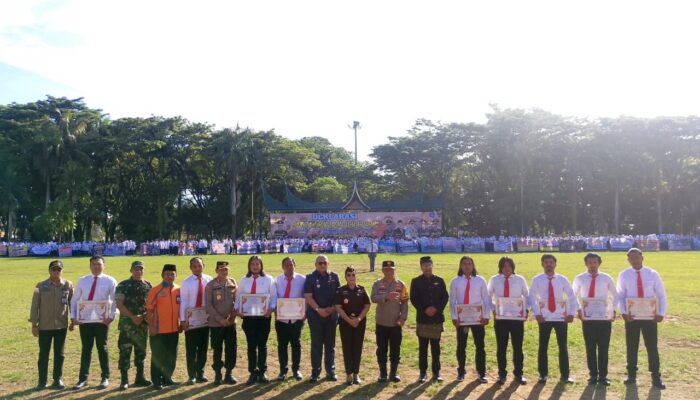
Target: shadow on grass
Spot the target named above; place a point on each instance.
(26, 392)
(366, 391)
(466, 391)
(535, 392)
(412, 390)
(445, 390)
(508, 391)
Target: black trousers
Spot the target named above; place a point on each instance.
(388, 341)
(196, 346)
(322, 341)
(224, 337)
(352, 340)
(289, 335)
(596, 335)
(58, 336)
(516, 330)
(257, 330)
(132, 339)
(423, 354)
(561, 329)
(91, 335)
(478, 334)
(163, 357)
(648, 330)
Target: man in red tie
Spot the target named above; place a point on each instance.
(554, 304)
(196, 337)
(94, 287)
(640, 281)
(592, 288)
(290, 285)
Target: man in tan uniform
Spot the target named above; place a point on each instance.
(49, 318)
(391, 296)
(220, 294)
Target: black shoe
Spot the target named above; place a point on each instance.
(395, 378)
(332, 378)
(482, 379)
(314, 379)
(157, 387)
(282, 376)
(298, 376)
(80, 385)
(422, 377)
(437, 378)
(124, 385)
(169, 382)
(262, 378)
(658, 383)
(141, 381)
(521, 380)
(202, 379)
(191, 381)
(501, 379)
(592, 381)
(58, 384)
(104, 384)
(252, 379)
(230, 379)
(40, 386)
(604, 381)
(567, 381)
(460, 377)
(218, 379)
(630, 380)
(383, 379)
(356, 380)
(542, 380)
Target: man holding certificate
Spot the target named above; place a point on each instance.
(290, 297)
(256, 300)
(597, 298)
(554, 304)
(470, 307)
(196, 331)
(643, 305)
(93, 308)
(510, 296)
(220, 295)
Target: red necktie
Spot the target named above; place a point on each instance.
(254, 285)
(640, 287)
(288, 289)
(552, 305)
(466, 291)
(200, 289)
(591, 289)
(506, 288)
(92, 290)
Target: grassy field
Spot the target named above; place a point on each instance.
(679, 337)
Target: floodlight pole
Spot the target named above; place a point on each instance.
(355, 127)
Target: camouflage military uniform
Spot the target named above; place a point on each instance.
(133, 293)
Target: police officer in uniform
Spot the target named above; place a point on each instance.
(49, 318)
(220, 295)
(352, 304)
(319, 290)
(131, 297)
(391, 296)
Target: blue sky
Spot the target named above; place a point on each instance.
(312, 67)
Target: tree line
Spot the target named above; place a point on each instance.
(70, 172)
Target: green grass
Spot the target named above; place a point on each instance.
(679, 335)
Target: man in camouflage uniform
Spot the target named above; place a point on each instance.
(131, 297)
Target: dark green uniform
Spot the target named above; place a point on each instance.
(133, 293)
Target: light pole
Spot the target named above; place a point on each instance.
(355, 126)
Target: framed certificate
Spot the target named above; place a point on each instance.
(196, 317)
(596, 309)
(469, 314)
(254, 305)
(92, 311)
(642, 308)
(559, 313)
(510, 308)
(291, 309)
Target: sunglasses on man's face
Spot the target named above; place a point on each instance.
(349, 275)
(322, 262)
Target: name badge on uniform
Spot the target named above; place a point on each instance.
(218, 297)
(177, 299)
(346, 301)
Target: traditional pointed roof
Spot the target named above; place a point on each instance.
(355, 202)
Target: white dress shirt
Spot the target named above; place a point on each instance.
(651, 283)
(263, 285)
(104, 291)
(188, 293)
(517, 287)
(604, 287)
(478, 294)
(539, 290)
(295, 292)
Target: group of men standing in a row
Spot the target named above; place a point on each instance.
(162, 312)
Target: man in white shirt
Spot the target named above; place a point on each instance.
(290, 285)
(508, 284)
(640, 281)
(94, 287)
(596, 333)
(192, 295)
(469, 288)
(550, 289)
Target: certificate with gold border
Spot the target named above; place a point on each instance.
(512, 308)
(642, 308)
(469, 314)
(596, 309)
